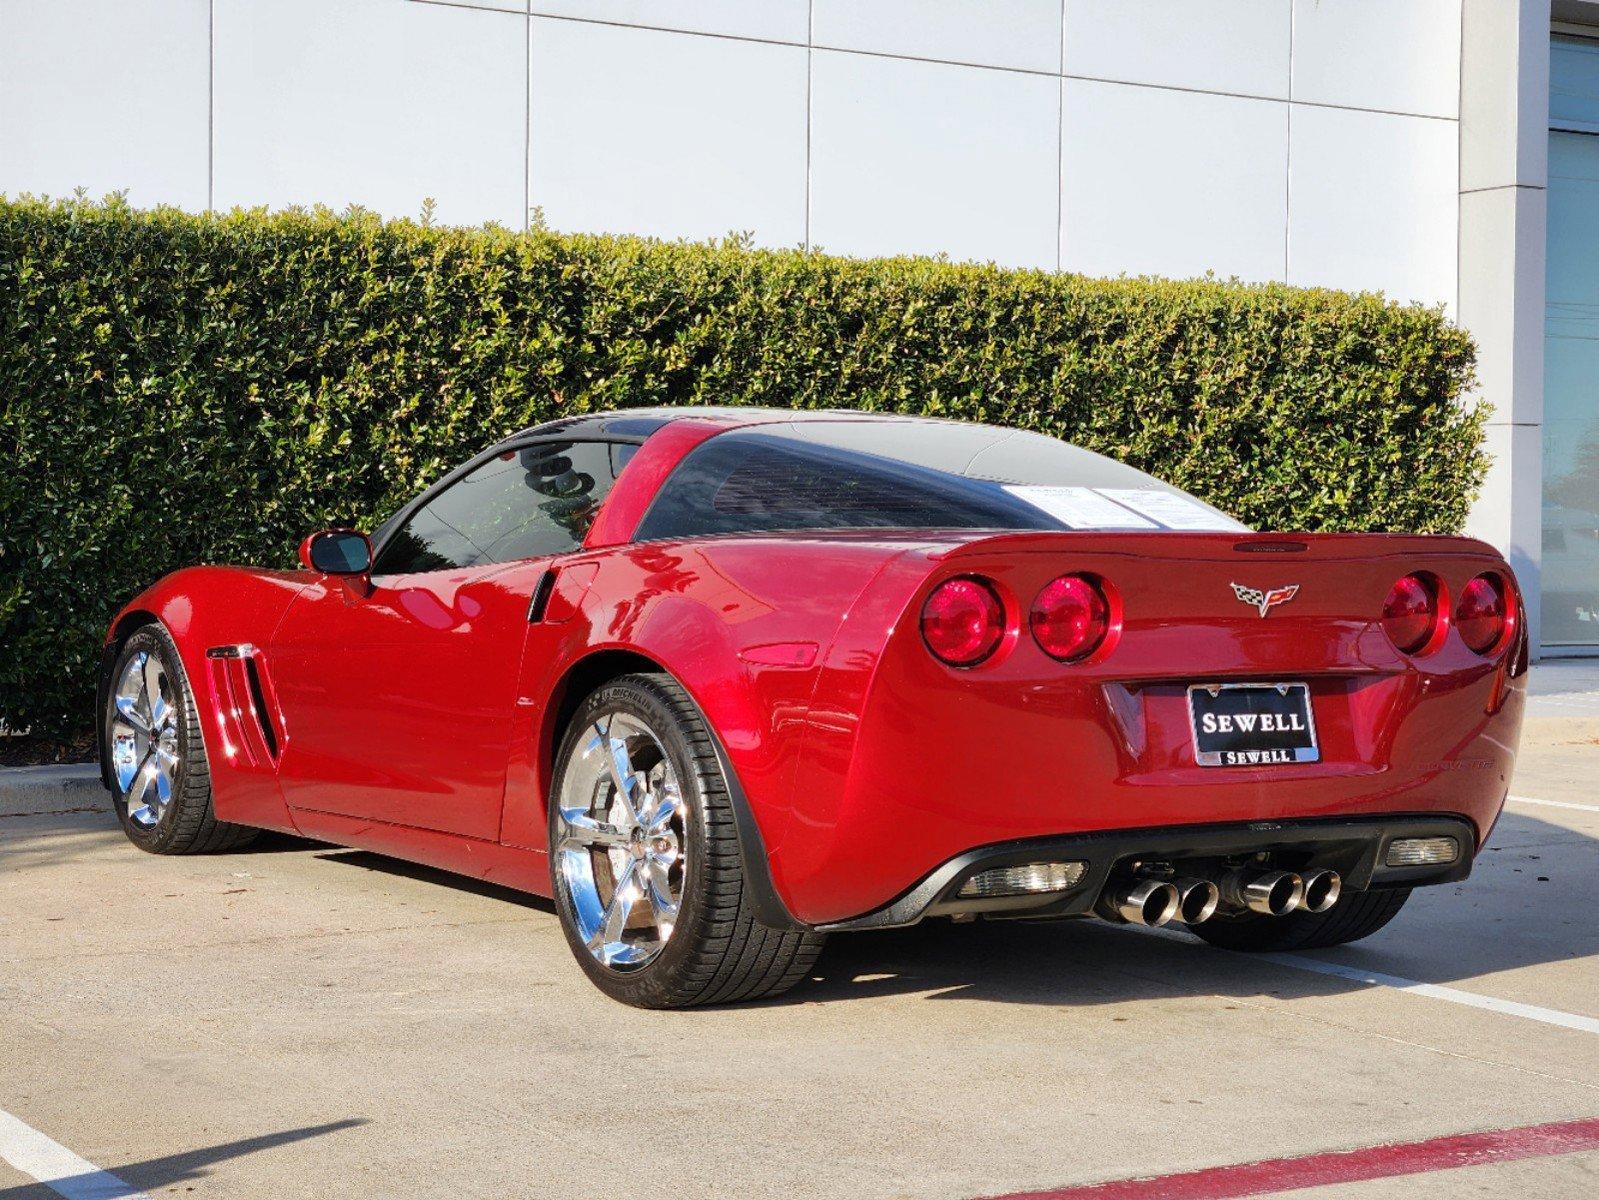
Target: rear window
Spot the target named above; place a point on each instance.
(909, 475)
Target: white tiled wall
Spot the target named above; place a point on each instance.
(370, 102)
(1165, 182)
(1022, 34)
(667, 134)
(107, 95)
(1373, 203)
(772, 20)
(1235, 46)
(921, 158)
(1394, 55)
(1306, 140)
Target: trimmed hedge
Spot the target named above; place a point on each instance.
(179, 388)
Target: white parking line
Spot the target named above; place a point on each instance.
(1532, 1012)
(1593, 808)
(53, 1165)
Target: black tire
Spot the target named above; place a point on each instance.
(187, 823)
(717, 953)
(1356, 915)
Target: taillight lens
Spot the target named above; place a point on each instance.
(1483, 613)
(963, 621)
(1070, 617)
(1410, 614)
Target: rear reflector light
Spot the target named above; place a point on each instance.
(963, 621)
(1024, 880)
(1410, 614)
(1070, 618)
(1483, 613)
(1422, 852)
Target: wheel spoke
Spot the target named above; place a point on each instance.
(155, 708)
(163, 780)
(659, 818)
(128, 711)
(659, 890)
(621, 766)
(584, 830)
(620, 907)
(141, 784)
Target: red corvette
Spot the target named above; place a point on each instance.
(725, 681)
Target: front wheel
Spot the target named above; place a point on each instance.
(159, 774)
(1356, 915)
(644, 858)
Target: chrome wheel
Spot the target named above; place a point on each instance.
(620, 841)
(144, 738)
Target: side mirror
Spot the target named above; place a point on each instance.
(337, 552)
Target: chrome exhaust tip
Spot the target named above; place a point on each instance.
(1143, 902)
(1322, 889)
(1269, 893)
(1197, 900)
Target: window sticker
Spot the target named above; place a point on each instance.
(1171, 509)
(1080, 507)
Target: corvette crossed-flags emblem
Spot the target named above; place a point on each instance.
(1264, 602)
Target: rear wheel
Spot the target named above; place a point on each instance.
(159, 775)
(644, 858)
(1356, 915)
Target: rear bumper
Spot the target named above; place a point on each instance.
(1355, 848)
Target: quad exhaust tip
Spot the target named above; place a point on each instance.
(1197, 900)
(1193, 900)
(1269, 893)
(1322, 889)
(1146, 902)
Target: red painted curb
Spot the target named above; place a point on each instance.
(1344, 1166)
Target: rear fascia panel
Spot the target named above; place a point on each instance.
(911, 763)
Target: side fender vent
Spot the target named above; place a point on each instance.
(245, 707)
(541, 597)
(263, 714)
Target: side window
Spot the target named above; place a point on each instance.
(525, 503)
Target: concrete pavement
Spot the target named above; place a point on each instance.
(297, 1020)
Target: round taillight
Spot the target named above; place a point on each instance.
(1410, 614)
(1070, 618)
(963, 621)
(1482, 613)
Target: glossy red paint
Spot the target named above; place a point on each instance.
(643, 476)
(418, 715)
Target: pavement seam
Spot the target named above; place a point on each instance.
(1432, 991)
(1593, 808)
(1281, 1009)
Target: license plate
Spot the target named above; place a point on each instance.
(1252, 724)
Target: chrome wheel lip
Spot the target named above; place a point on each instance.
(143, 738)
(620, 841)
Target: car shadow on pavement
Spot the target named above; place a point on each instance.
(369, 861)
(152, 1174)
(1528, 903)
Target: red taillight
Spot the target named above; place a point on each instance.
(963, 622)
(1483, 613)
(1410, 614)
(1070, 618)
